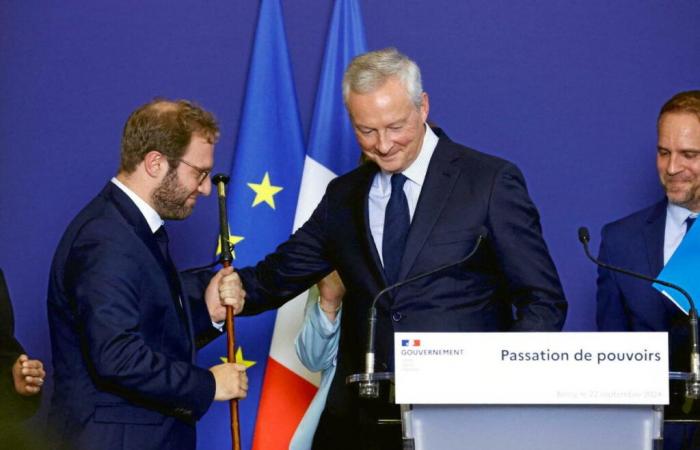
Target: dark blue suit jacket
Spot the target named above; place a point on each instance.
(636, 242)
(463, 192)
(123, 348)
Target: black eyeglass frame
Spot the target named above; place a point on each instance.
(203, 173)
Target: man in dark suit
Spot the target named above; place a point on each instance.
(420, 202)
(124, 323)
(644, 241)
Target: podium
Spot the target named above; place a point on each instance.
(531, 391)
(533, 427)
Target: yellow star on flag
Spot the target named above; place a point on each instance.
(240, 359)
(264, 191)
(232, 240)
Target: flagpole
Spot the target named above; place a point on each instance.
(226, 261)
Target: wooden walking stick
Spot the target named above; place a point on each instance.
(226, 260)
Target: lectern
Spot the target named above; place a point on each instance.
(531, 391)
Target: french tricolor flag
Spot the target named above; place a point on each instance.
(288, 386)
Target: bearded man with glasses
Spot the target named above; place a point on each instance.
(124, 322)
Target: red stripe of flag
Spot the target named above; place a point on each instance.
(284, 400)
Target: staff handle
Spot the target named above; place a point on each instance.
(226, 260)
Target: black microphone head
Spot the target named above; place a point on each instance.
(583, 236)
(219, 178)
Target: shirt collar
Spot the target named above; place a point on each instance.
(418, 169)
(678, 214)
(150, 214)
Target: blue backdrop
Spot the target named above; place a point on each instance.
(568, 90)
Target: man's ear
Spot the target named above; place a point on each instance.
(425, 106)
(155, 164)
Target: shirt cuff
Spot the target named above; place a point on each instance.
(324, 323)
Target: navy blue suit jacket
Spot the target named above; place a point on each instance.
(636, 242)
(464, 191)
(123, 348)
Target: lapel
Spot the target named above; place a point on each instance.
(437, 187)
(362, 213)
(654, 230)
(135, 219)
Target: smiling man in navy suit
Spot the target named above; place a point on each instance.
(124, 323)
(645, 241)
(420, 202)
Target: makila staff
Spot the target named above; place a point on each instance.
(226, 259)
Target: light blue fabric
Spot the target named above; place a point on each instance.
(317, 347)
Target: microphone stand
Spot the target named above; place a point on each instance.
(692, 385)
(226, 259)
(369, 380)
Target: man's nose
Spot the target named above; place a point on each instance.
(384, 144)
(675, 165)
(204, 187)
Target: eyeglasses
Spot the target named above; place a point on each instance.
(203, 173)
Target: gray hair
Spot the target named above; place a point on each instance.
(371, 70)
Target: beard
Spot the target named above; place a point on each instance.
(170, 198)
(685, 193)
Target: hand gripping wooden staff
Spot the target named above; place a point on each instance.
(226, 259)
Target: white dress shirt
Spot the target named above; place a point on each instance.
(150, 214)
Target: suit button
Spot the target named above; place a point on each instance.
(397, 316)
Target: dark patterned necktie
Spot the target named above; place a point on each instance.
(397, 221)
(162, 238)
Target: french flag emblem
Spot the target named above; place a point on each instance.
(410, 342)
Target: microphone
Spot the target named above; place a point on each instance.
(369, 387)
(692, 388)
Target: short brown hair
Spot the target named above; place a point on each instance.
(684, 102)
(166, 126)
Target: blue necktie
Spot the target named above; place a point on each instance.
(689, 223)
(397, 221)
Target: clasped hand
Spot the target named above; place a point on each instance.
(28, 375)
(225, 289)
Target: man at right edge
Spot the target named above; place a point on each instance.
(645, 241)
